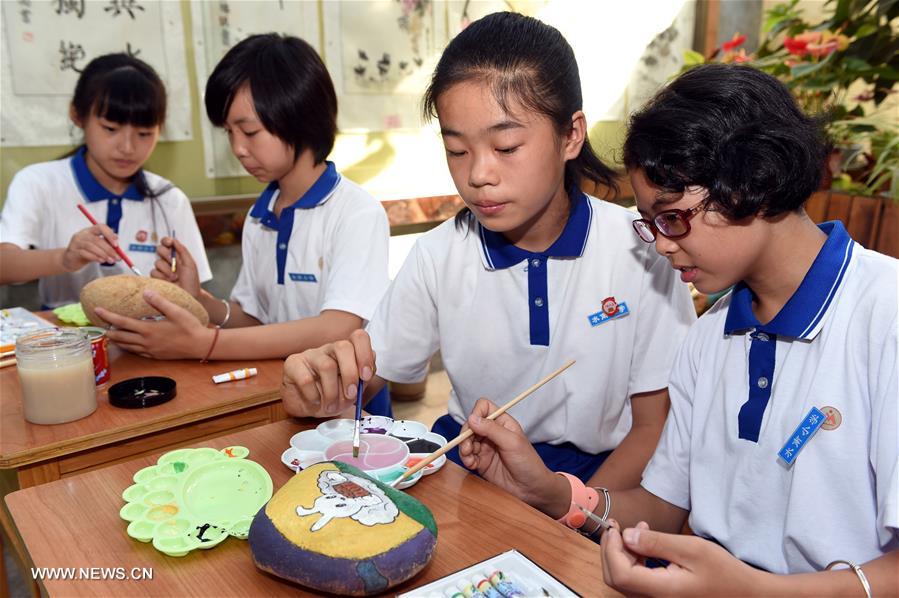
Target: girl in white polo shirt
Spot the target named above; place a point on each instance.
(120, 104)
(534, 273)
(782, 442)
(314, 244)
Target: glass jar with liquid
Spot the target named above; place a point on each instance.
(56, 371)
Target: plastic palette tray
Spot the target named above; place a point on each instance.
(195, 498)
(308, 447)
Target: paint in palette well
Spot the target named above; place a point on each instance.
(375, 452)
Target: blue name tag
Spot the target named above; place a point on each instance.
(601, 317)
(297, 277)
(800, 437)
(143, 248)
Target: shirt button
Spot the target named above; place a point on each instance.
(535, 263)
(538, 301)
(762, 382)
(115, 202)
(282, 246)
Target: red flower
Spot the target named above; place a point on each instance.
(735, 41)
(795, 46)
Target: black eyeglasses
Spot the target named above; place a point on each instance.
(671, 224)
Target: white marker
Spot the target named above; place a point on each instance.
(235, 375)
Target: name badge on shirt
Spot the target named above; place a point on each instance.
(142, 248)
(810, 424)
(300, 277)
(610, 311)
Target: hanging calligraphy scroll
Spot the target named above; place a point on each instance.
(46, 44)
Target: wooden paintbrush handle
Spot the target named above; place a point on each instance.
(466, 433)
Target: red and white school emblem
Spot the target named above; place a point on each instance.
(141, 236)
(609, 306)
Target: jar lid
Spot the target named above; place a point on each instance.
(137, 393)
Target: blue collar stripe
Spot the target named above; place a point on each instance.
(801, 316)
(482, 233)
(500, 253)
(92, 190)
(319, 191)
(833, 289)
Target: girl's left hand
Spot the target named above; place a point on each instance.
(697, 566)
(179, 336)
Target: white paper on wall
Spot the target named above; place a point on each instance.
(46, 43)
(380, 54)
(217, 27)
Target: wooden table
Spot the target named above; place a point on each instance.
(33, 454)
(201, 409)
(75, 523)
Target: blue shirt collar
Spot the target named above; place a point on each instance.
(91, 187)
(498, 252)
(802, 315)
(317, 194)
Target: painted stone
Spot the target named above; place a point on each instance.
(335, 529)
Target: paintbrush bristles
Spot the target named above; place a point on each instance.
(359, 390)
(465, 434)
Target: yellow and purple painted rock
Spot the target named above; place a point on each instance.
(335, 529)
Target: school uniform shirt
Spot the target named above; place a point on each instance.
(41, 212)
(742, 392)
(328, 250)
(503, 318)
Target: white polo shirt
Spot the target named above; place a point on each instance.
(503, 318)
(326, 251)
(41, 212)
(833, 346)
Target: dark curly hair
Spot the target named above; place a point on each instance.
(734, 131)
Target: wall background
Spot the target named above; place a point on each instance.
(624, 50)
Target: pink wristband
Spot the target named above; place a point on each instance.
(582, 496)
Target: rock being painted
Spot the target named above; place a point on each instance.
(333, 528)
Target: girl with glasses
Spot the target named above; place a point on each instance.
(533, 273)
(781, 444)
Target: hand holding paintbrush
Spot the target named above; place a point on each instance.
(115, 246)
(468, 432)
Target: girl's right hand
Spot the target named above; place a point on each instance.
(322, 382)
(501, 453)
(185, 275)
(92, 244)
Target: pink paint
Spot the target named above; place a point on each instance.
(375, 452)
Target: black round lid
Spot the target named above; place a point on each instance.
(137, 393)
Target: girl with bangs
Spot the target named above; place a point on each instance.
(531, 274)
(120, 105)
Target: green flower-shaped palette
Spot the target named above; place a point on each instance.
(195, 498)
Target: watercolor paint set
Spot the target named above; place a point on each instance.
(15, 322)
(507, 575)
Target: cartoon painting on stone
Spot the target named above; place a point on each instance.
(346, 495)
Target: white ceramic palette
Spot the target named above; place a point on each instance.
(387, 447)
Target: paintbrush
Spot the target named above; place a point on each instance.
(358, 419)
(594, 517)
(117, 248)
(174, 253)
(461, 437)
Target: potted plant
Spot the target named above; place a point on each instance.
(845, 66)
